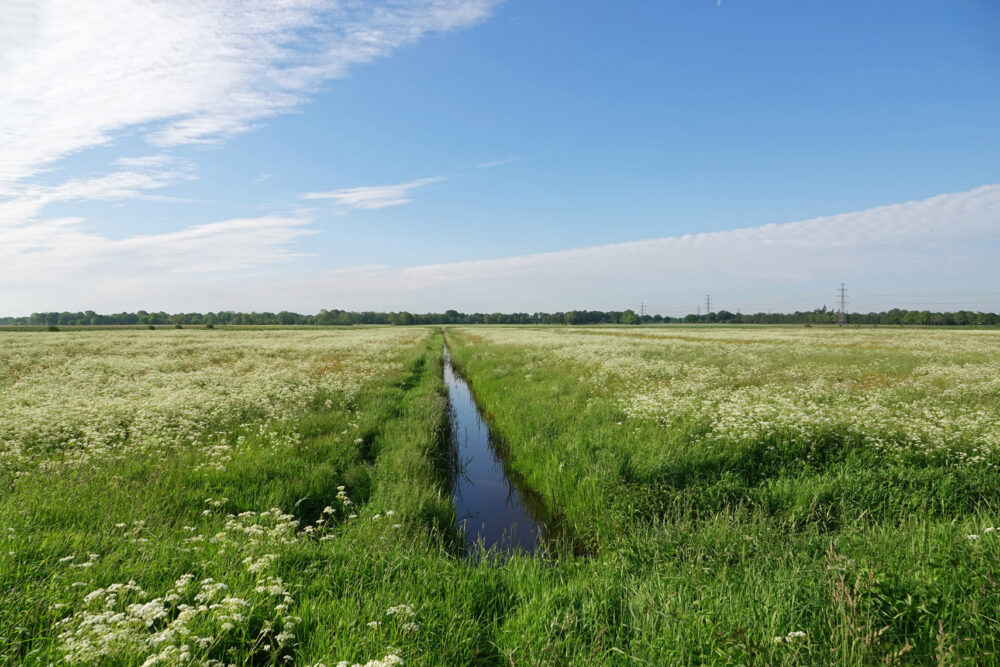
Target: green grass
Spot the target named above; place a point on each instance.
(338, 585)
(709, 553)
(701, 548)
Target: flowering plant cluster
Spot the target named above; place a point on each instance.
(902, 392)
(121, 394)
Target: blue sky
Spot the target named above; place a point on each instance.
(428, 154)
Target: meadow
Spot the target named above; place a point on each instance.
(742, 495)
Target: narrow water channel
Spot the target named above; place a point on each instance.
(490, 507)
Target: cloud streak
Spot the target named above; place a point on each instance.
(373, 197)
(495, 163)
(59, 256)
(75, 73)
(137, 178)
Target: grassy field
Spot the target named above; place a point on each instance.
(762, 495)
(745, 495)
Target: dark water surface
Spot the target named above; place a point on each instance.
(490, 507)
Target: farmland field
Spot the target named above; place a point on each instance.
(735, 495)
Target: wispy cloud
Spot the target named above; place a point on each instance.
(58, 256)
(137, 177)
(73, 74)
(373, 196)
(158, 161)
(495, 163)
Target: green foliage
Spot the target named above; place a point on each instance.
(347, 318)
(629, 317)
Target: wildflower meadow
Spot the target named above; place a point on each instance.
(742, 495)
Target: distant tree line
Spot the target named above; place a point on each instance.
(346, 317)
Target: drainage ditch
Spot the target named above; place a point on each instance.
(493, 508)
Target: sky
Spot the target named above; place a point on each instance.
(491, 155)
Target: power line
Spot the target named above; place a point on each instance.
(862, 301)
(778, 302)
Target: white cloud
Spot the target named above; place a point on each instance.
(77, 74)
(373, 196)
(73, 73)
(58, 257)
(916, 235)
(142, 175)
(944, 244)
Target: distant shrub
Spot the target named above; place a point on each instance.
(209, 326)
(151, 326)
(177, 326)
(53, 328)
